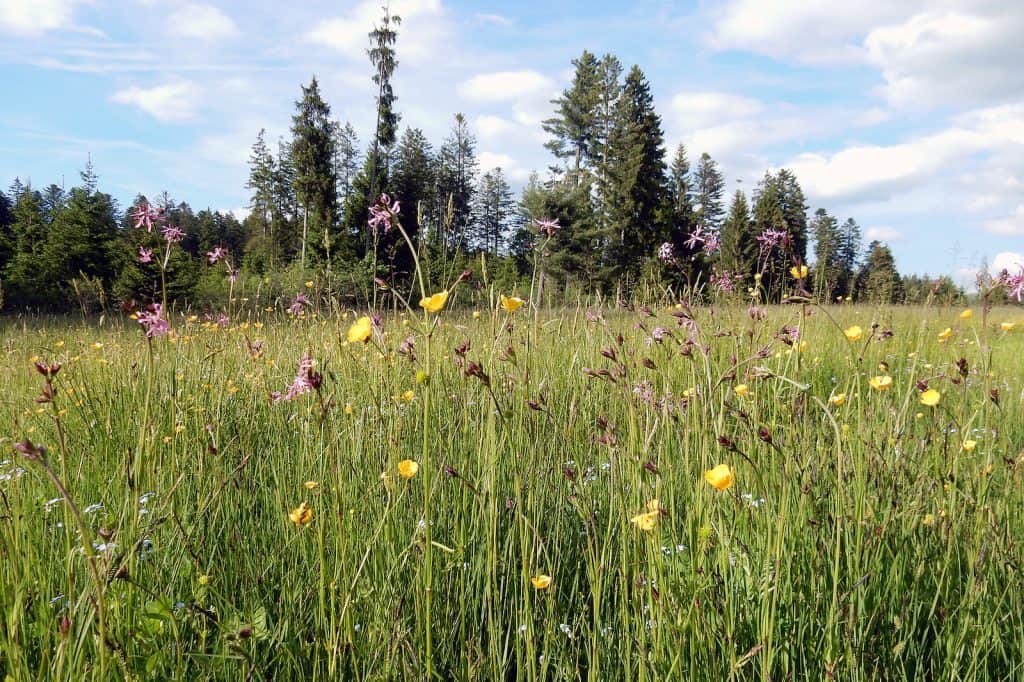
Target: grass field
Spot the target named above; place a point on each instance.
(555, 519)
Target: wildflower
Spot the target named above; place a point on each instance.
(881, 383)
(154, 322)
(301, 384)
(309, 284)
(382, 213)
(435, 303)
(798, 272)
(928, 520)
(769, 239)
(476, 314)
(1008, 326)
(721, 477)
(1014, 284)
(931, 397)
(145, 255)
(970, 445)
(945, 334)
(838, 400)
(296, 307)
(360, 330)
(408, 396)
(646, 520)
(667, 253)
(541, 581)
(547, 226)
(853, 334)
(966, 314)
(311, 485)
(348, 408)
(204, 580)
(301, 515)
(511, 303)
(408, 468)
(218, 254)
(742, 390)
(172, 233)
(696, 237)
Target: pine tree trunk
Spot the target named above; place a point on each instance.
(305, 219)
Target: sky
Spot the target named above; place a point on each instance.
(907, 115)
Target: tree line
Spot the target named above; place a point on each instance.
(613, 214)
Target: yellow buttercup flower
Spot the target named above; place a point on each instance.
(541, 581)
(928, 520)
(838, 400)
(881, 383)
(945, 334)
(647, 520)
(1008, 326)
(799, 272)
(435, 303)
(967, 314)
(931, 397)
(309, 284)
(721, 477)
(854, 333)
(408, 468)
(742, 390)
(360, 330)
(408, 396)
(311, 485)
(476, 314)
(301, 515)
(969, 445)
(511, 303)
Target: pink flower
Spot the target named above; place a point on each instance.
(153, 321)
(547, 226)
(724, 281)
(233, 276)
(218, 254)
(1014, 283)
(300, 385)
(383, 212)
(711, 244)
(769, 239)
(696, 237)
(296, 307)
(145, 255)
(145, 216)
(667, 253)
(172, 233)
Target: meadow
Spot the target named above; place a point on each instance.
(732, 492)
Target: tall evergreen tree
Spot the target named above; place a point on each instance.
(850, 249)
(261, 182)
(574, 128)
(346, 159)
(709, 186)
(827, 259)
(412, 184)
(283, 228)
(878, 280)
(794, 211)
(456, 182)
(492, 212)
(681, 198)
(739, 242)
(312, 151)
(636, 179)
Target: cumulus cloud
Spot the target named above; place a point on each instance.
(1010, 225)
(33, 17)
(504, 86)
(169, 103)
(423, 28)
(204, 22)
(507, 164)
(883, 234)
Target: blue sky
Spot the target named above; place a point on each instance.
(907, 115)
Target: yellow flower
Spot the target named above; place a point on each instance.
(646, 521)
(854, 333)
(838, 400)
(408, 468)
(511, 303)
(476, 314)
(803, 346)
(742, 390)
(309, 284)
(360, 330)
(967, 314)
(1008, 326)
(97, 345)
(654, 505)
(721, 477)
(204, 580)
(435, 303)
(408, 396)
(881, 383)
(928, 520)
(541, 581)
(931, 397)
(311, 485)
(969, 445)
(945, 334)
(798, 272)
(301, 515)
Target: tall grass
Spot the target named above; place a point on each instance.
(858, 541)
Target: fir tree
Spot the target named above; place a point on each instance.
(739, 242)
(312, 152)
(261, 182)
(492, 212)
(828, 265)
(878, 280)
(708, 187)
(412, 184)
(850, 249)
(456, 182)
(574, 127)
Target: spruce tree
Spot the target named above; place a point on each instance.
(412, 184)
(312, 152)
(574, 127)
(739, 243)
(850, 250)
(261, 182)
(828, 267)
(709, 186)
(878, 280)
(492, 212)
(456, 183)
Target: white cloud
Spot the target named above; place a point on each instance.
(204, 22)
(169, 103)
(883, 234)
(871, 172)
(504, 86)
(1007, 260)
(508, 165)
(422, 32)
(1010, 225)
(33, 17)
(705, 109)
(490, 127)
(497, 19)
(952, 57)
